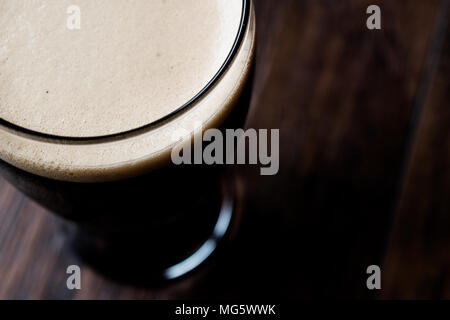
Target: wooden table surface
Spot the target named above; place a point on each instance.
(364, 179)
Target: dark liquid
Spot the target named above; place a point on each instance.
(135, 228)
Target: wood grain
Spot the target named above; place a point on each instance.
(343, 98)
(417, 264)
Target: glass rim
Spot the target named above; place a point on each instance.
(136, 131)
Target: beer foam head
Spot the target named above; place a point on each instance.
(108, 66)
(130, 64)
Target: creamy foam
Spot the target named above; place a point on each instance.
(131, 63)
(105, 79)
